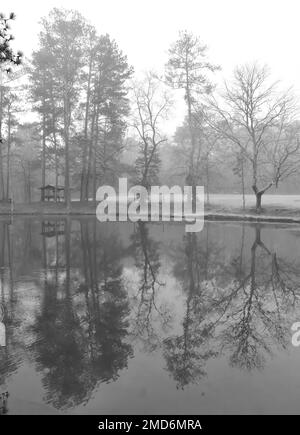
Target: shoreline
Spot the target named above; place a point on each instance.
(271, 215)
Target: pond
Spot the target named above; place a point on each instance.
(122, 318)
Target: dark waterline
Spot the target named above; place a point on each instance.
(122, 318)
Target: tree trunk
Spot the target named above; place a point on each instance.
(90, 156)
(55, 143)
(94, 175)
(95, 143)
(191, 175)
(243, 184)
(8, 156)
(258, 196)
(1, 158)
(43, 149)
(67, 152)
(29, 183)
(85, 144)
(207, 180)
(56, 167)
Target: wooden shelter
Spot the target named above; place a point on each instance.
(52, 193)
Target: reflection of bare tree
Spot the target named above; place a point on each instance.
(148, 313)
(256, 307)
(187, 353)
(247, 338)
(243, 307)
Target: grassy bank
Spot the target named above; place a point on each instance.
(48, 208)
(269, 213)
(212, 212)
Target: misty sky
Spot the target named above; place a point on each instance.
(236, 31)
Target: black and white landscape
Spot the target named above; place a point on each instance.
(144, 317)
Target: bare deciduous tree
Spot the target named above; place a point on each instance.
(259, 119)
(151, 106)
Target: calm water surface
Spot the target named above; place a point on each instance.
(121, 318)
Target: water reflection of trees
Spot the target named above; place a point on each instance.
(150, 315)
(82, 325)
(107, 305)
(60, 339)
(11, 353)
(246, 316)
(259, 306)
(239, 296)
(76, 329)
(187, 353)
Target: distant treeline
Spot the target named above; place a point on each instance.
(75, 114)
